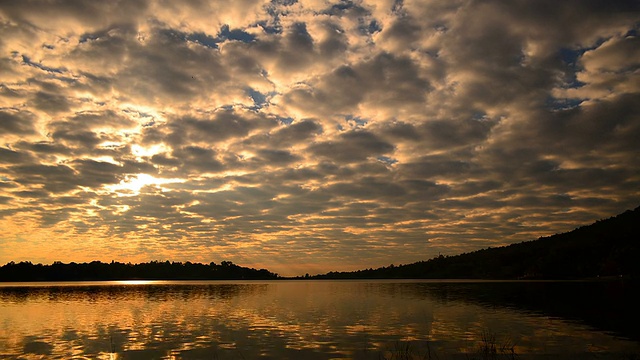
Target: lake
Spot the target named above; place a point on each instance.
(376, 319)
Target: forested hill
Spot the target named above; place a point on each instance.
(155, 270)
(608, 247)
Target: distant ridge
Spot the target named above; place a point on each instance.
(606, 248)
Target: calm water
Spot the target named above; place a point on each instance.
(316, 319)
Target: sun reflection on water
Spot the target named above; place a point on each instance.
(160, 319)
(139, 282)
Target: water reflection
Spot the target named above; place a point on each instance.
(311, 320)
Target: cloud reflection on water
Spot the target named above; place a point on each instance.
(311, 320)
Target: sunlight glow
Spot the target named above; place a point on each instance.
(111, 145)
(140, 151)
(106, 158)
(132, 185)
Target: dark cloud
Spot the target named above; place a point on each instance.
(14, 157)
(295, 133)
(54, 178)
(16, 122)
(401, 131)
(51, 103)
(219, 127)
(75, 137)
(101, 119)
(81, 12)
(45, 147)
(31, 194)
(430, 167)
(334, 42)
(384, 81)
(351, 146)
(194, 159)
(367, 189)
(94, 174)
(448, 134)
(276, 157)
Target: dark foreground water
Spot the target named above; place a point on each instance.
(318, 320)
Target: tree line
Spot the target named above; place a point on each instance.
(154, 270)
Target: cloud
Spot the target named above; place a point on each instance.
(385, 84)
(16, 122)
(14, 157)
(351, 146)
(333, 135)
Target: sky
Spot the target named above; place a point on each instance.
(310, 136)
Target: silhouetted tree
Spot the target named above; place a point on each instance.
(154, 270)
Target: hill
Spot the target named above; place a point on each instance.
(154, 270)
(608, 247)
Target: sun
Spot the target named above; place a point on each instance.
(133, 183)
